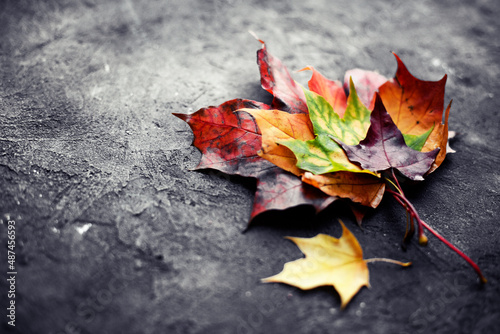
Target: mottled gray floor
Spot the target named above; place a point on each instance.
(116, 235)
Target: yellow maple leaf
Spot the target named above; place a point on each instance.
(329, 261)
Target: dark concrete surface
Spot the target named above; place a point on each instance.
(114, 233)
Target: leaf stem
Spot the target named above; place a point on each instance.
(393, 184)
(410, 229)
(422, 239)
(410, 209)
(397, 182)
(381, 259)
(456, 250)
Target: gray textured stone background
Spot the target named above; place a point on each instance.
(116, 235)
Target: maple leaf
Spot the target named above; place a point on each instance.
(384, 148)
(329, 261)
(278, 190)
(322, 155)
(228, 141)
(362, 188)
(275, 126)
(414, 105)
(275, 78)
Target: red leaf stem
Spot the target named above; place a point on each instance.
(401, 198)
(456, 250)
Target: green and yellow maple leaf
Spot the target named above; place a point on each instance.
(322, 155)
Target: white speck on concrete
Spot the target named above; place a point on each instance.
(436, 62)
(84, 228)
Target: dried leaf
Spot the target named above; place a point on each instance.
(414, 105)
(275, 126)
(328, 261)
(275, 78)
(228, 141)
(365, 189)
(278, 190)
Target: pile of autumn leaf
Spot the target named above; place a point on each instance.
(314, 146)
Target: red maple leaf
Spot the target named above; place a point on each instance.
(275, 78)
